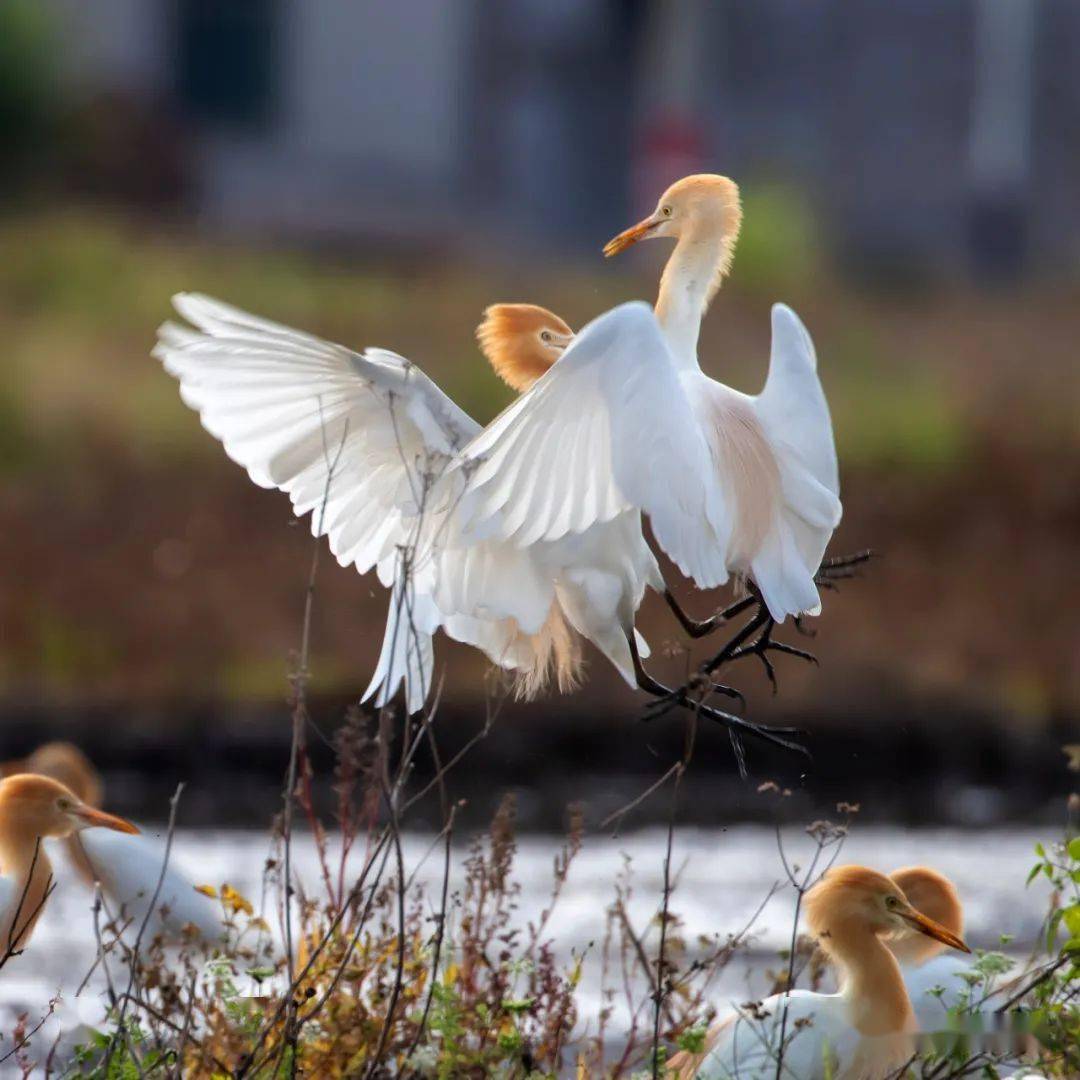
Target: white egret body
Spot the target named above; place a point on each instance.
(865, 1030)
(297, 411)
(771, 456)
(129, 868)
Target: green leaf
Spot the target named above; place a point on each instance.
(1074, 849)
(693, 1039)
(1071, 919)
(518, 1005)
(509, 1041)
(993, 963)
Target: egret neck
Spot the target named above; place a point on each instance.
(871, 981)
(24, 862)
(703, 214)
(690, 280)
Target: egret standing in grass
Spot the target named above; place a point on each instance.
(33, 809)
(65, 762)
(130, 868)
(865, 1030)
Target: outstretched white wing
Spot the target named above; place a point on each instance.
(290, 408)
(371, 435)
(607, 429)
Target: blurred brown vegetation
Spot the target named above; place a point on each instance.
(140, 564)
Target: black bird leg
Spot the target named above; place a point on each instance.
(759, 619)
(832, 570)
(840, 568)
(761, 646)
(696, 629)
(736, 725)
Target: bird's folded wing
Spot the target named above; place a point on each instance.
(133, 869)
(608, 428)
(357, 438)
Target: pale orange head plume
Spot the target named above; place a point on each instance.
(65, 762)
(936, 897)
(700, 209)
(521, 341)
(704, 205)
(850, 900)
(39, 806)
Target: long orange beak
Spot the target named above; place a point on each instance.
(630, 236)
(98, 818)
(918, 921)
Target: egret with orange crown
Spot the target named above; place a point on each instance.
(863, 1032)
(393, 424)
(521, 341)
(732, 484)
(65, 762)
(130, 868)
(388, 465)
(33, 809)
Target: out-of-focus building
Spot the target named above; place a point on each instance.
(928, 134)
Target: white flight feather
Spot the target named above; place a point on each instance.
(616, 426)
(380, 457)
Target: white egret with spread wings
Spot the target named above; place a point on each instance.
(516, 536)
(387, 466)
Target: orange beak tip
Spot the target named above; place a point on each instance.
(98, 818)
(627, 237)
(932, 929)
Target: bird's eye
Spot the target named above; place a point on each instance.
(545, 335)
(63, 804)
(666, 211)
(891, 901)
